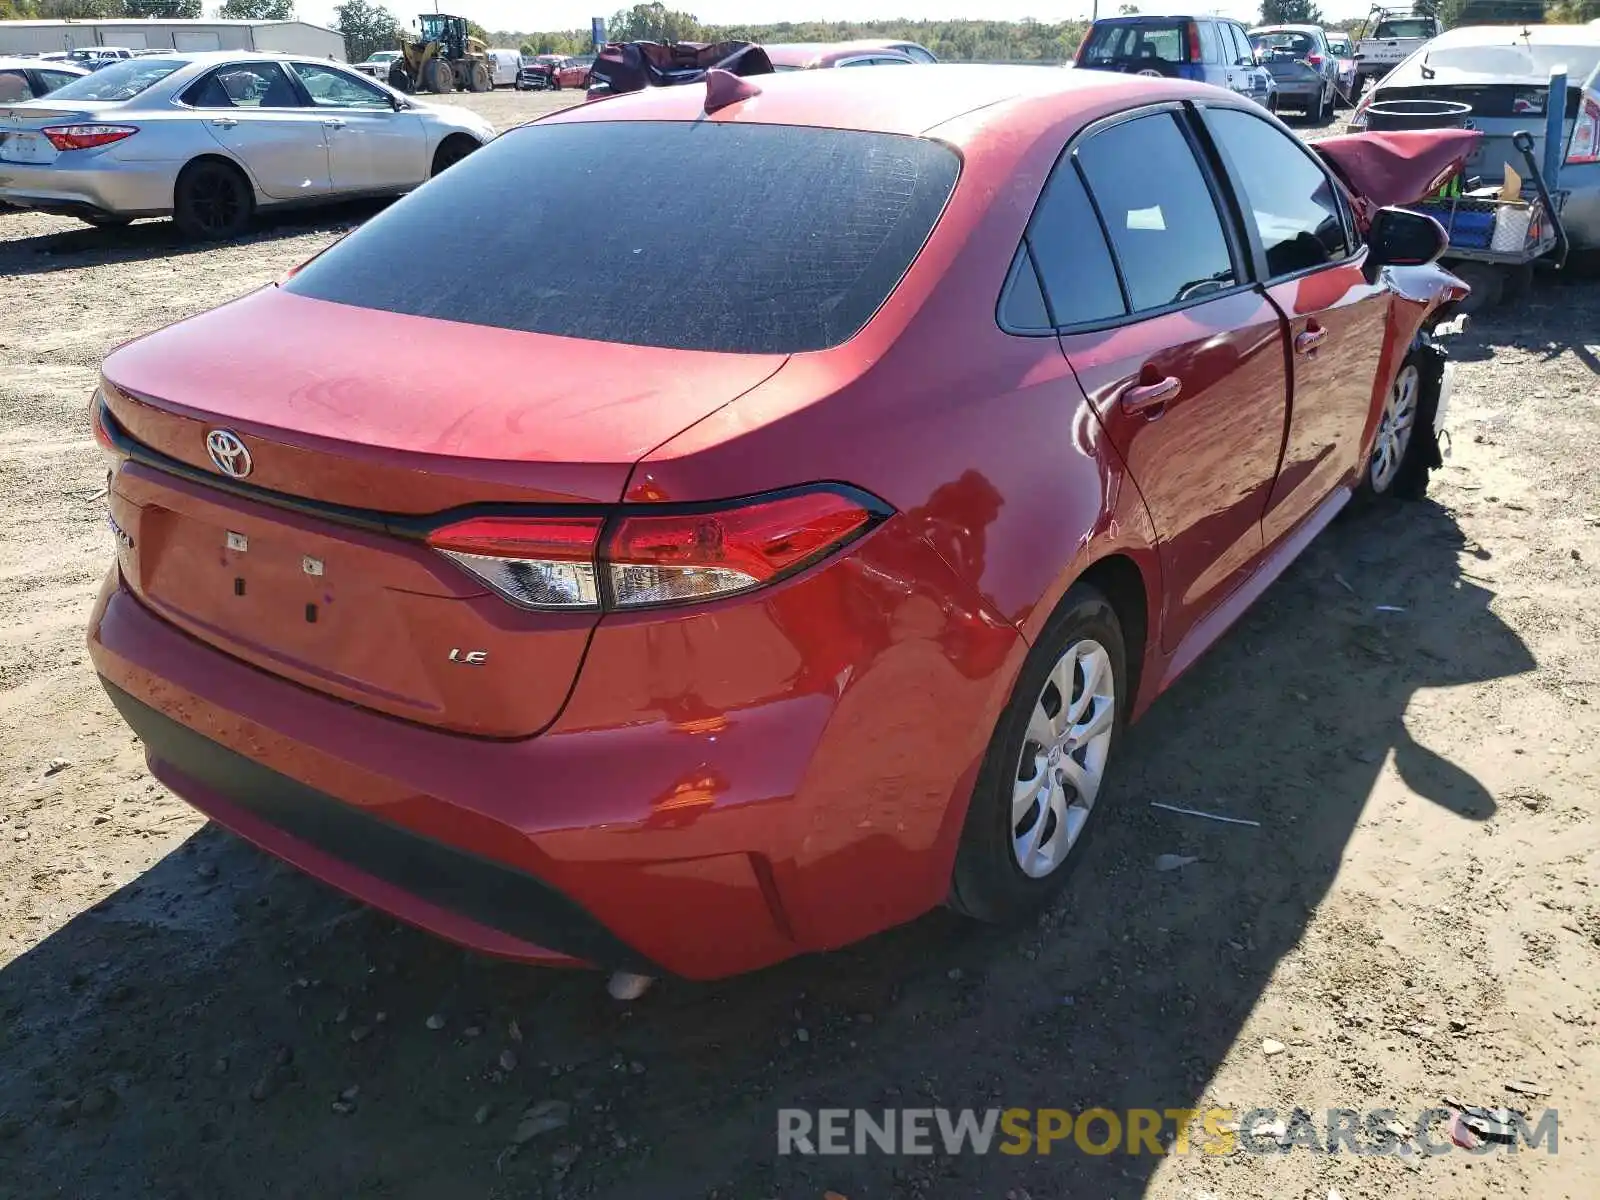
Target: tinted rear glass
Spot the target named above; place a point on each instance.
(740, 238)
(1122, 42)
(1403, 29)
(122, 80)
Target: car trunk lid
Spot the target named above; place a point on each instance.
(1499, 112)
(360, 427)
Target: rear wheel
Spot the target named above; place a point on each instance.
(1040, 782)
(1325, 112)
(212, 201)
(1487, 281)
(480, 80)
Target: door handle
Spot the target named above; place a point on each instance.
(1308, 341)
(1142, 397)
(224, 122)
(333, 123)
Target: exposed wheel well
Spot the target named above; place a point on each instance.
(450, 143)
(219, 159)
(1118, 577)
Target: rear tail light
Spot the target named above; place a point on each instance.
(534, 562)
(651, 558)
(1314, 59)
(665, 559)
(1585, 144)
(1358, 118)
(1195, 54)
(86, 137)
(98, 415)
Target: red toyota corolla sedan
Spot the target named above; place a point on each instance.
(785, 557)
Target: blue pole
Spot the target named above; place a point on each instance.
(1555, 129)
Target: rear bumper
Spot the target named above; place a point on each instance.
(112, 188)
(1301, 89)
(724, 789)
(483, 903)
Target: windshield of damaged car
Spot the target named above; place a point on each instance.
(122, 80)
(760, 239)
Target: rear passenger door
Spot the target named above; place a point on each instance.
(1304, 244)
(1180, 355)
(254, 112)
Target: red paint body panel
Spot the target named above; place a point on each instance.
(1205, 462)
(1334, 387)
(723, 784)
(342, 404)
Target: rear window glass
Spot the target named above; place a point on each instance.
(1404, 29)
(122, 80)
(1512, 60)
(1123, 42)
(1283, 42)
(738, 238)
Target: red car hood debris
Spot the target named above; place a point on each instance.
(1382, 169)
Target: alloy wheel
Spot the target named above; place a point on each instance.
(1063, 758)
(1395, 427)
(215, 201)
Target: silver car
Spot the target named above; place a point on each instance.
(210, 138)
(1304, 66)
(1503, 73)
(26, 78)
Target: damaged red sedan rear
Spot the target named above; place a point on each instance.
(867, 452)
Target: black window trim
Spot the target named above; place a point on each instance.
(1355, 253)
(1243, 254)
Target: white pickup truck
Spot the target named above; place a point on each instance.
(1387, 39)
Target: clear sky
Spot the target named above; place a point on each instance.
(575, 14)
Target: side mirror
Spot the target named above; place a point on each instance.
(1401, 238)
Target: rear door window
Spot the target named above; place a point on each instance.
(790, 241)
(1287, 195)
(1163, 223)
(1075, 267)
(1243, 54)
(1210, 43)
(244, 85)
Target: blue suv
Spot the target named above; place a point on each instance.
(1211, 50)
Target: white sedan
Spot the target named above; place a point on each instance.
(211, 138)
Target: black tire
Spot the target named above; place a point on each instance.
(1325, 111)
(1487, 281)
(1419, 454)
(480, 80)
(399, 80)
(212, 201)
(1517, 283)
(451, 151)
(988, 883)
(438, 77)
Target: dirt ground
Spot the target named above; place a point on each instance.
(1415, 916)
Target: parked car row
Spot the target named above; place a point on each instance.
(211, 138)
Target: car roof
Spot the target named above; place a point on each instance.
(905, 102)
(1286, 29)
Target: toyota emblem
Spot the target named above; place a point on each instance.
(228, 453)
